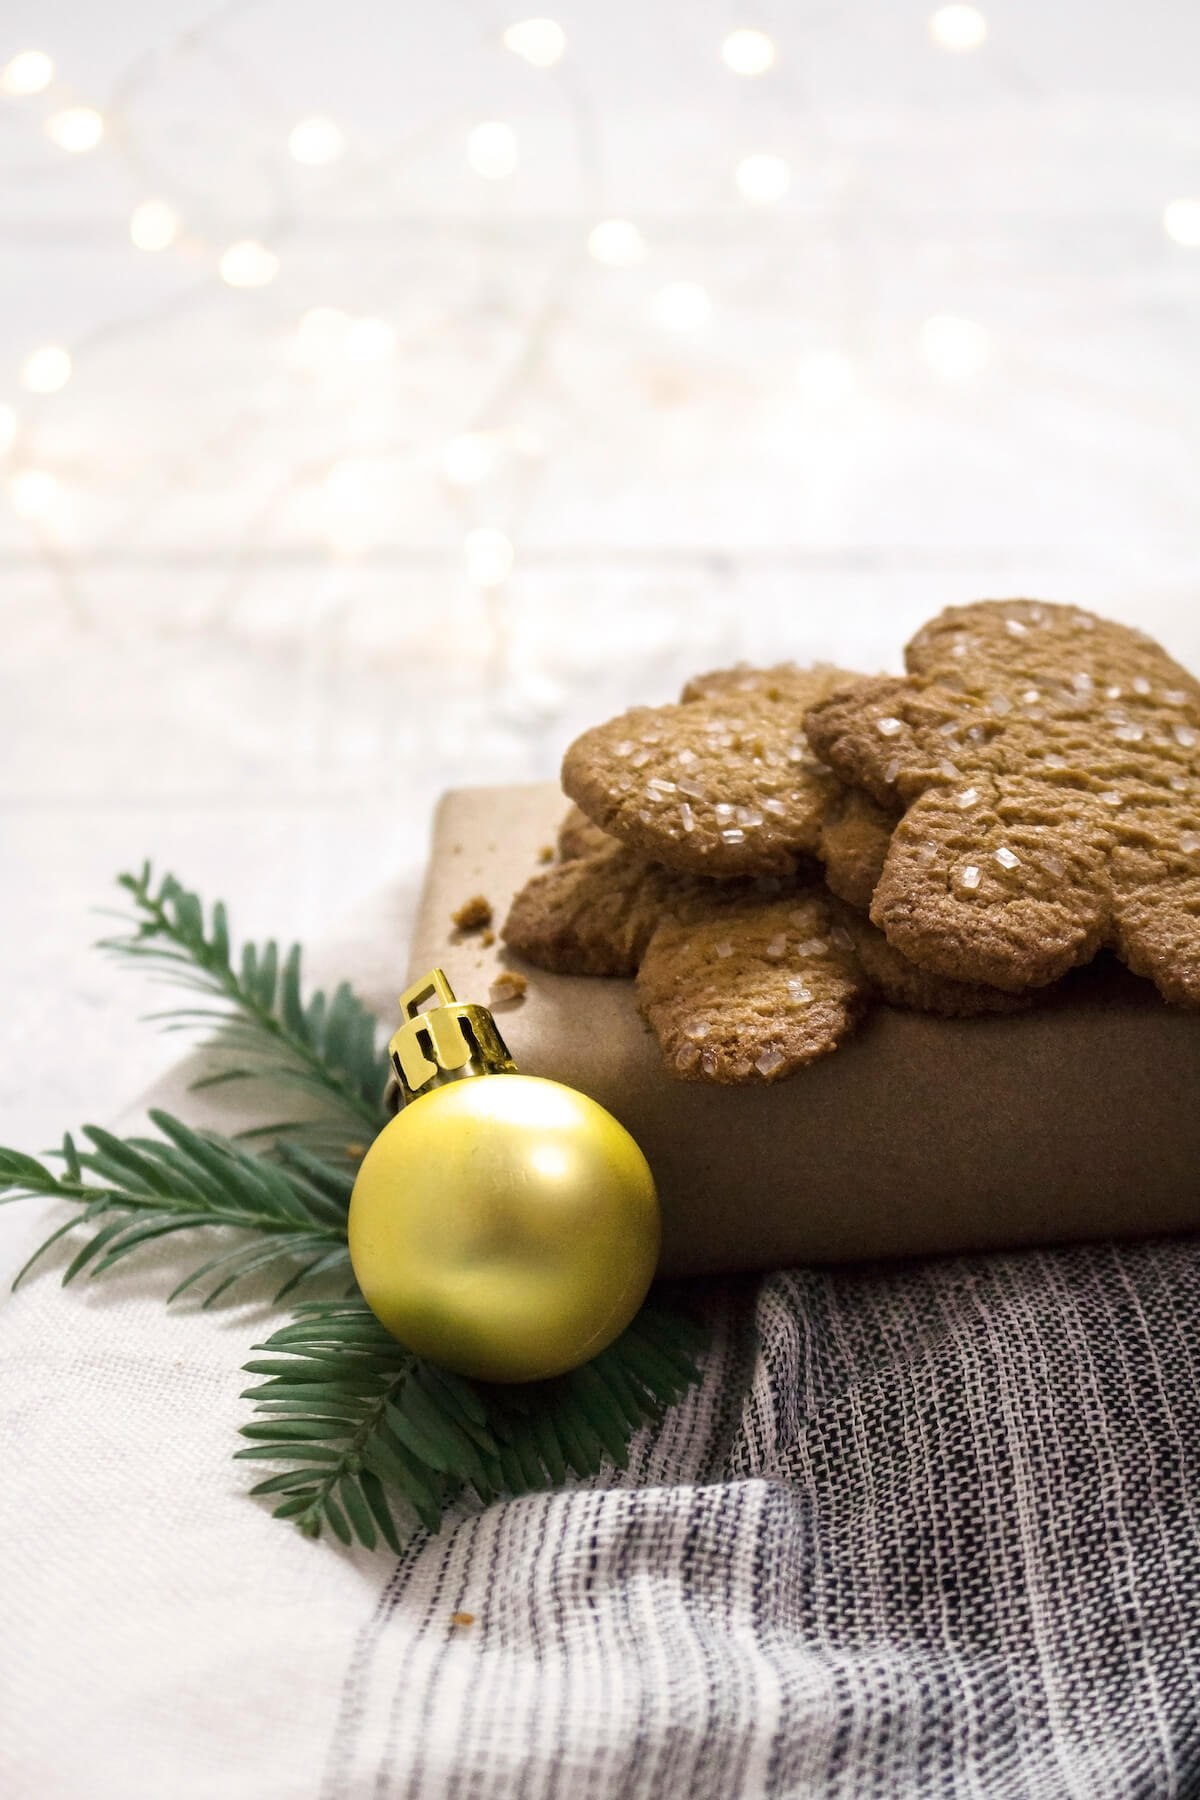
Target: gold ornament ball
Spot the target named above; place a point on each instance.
(505, 1227)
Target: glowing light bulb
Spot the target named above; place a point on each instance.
(826, 377)
(77, 128)
(29, 73)
(469, 459)
(489, 557)
(955, 348)
(8, 429)
(369, 340)
(33, 493)
(958, 28)
(248, 264)
(316, 141)
(616, 242)
(540, 41)
(1181, 222)
(748, 52)
(682, 306)
(154, 225)
(492, 150)
(763, 179)
(47, 369)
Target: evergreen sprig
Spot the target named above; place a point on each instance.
(137, 1189)
(326, 1049)
(362, 1423)
(358, 1417)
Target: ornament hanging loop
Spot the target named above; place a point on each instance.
(446, 1042)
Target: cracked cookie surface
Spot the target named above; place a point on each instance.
(749, 989)
(1048, 763)
(723, 784)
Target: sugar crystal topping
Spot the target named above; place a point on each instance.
(687, 817)
(769, 1061)
(971, 876)
(969, 797)
(1008, 859)
(1184, 735)
(724, 948)
(1189, 841)
(889, 727)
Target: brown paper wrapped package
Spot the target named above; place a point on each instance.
(1080, 1119)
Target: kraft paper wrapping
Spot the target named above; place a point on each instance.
(1078, 1120)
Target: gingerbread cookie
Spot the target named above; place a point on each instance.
(577, 836)
(722, 785)
(856, 834)
(601, 914)
(594, 914)
(781, 682)
(1047, 761)
(901, 983)
(749, 989)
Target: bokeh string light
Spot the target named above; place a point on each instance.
(331, 343)
(29, 72)
(958, 28)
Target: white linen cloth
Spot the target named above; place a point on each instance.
(923, 1530)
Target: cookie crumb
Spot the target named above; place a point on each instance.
(356, 1152)
(462, 1618)
(508, 988)
(546, 853)
(473, 915)
(488, 939)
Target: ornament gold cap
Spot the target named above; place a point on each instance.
(445, 1042)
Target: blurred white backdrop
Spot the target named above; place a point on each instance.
(388, 390)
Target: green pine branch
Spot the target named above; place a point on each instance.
(358, 1418)
(361, 1423)
(260, 1023)
(135, 1190)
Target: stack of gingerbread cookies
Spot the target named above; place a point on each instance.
(785, 846)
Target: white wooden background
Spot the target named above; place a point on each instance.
(246, 630)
